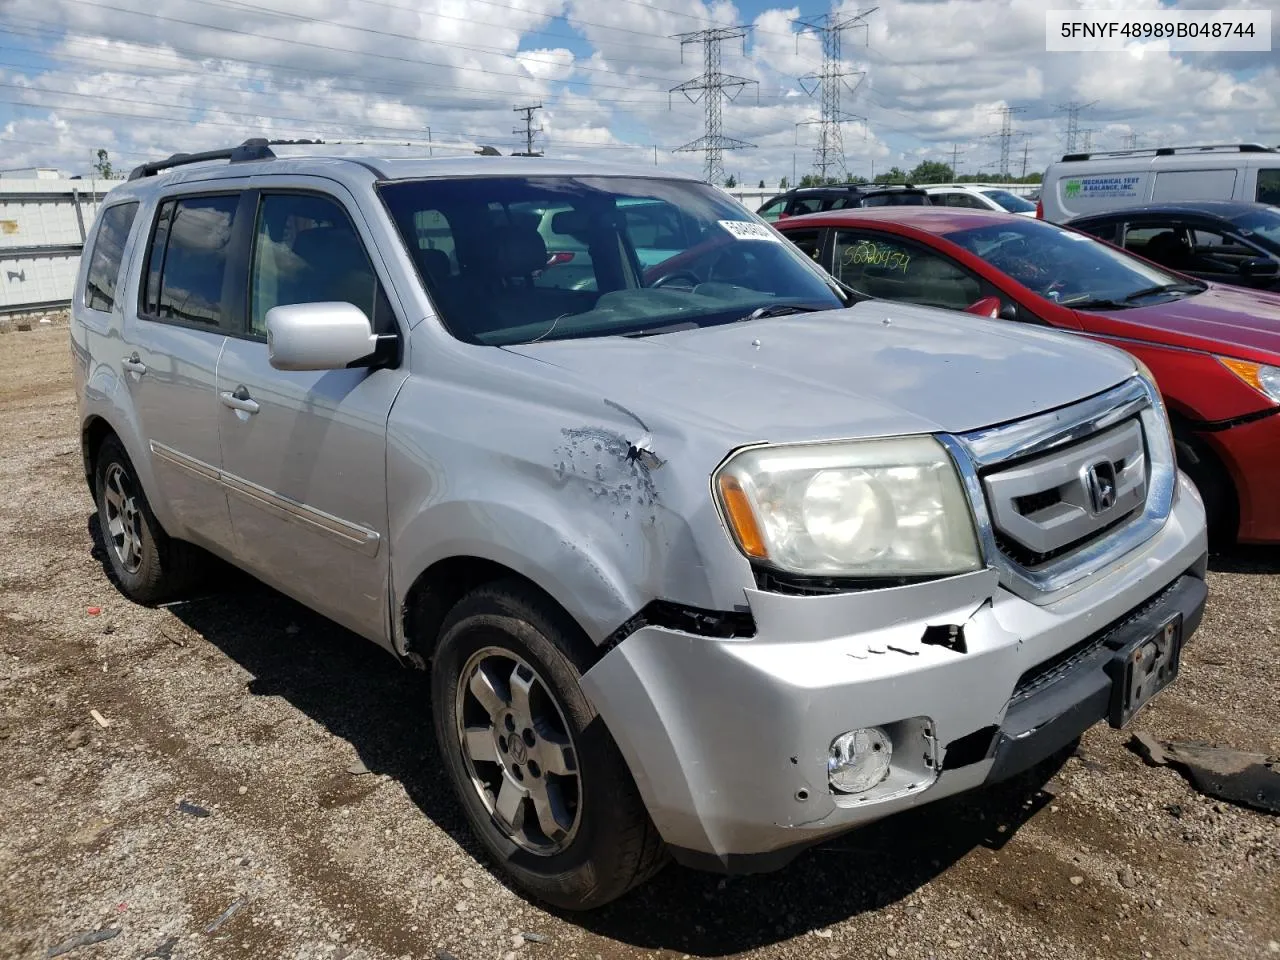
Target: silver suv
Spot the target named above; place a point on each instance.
(712, 560)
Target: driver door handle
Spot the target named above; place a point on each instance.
(239, 399)
(133, 364)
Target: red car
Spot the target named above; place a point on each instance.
(1214, 350)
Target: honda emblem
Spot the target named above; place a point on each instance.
(1100, 482)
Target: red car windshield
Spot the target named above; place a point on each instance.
(1070, 268)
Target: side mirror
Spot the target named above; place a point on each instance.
(986, 307)
(318, 336)
(1259, 269)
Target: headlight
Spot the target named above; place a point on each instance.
(1264, 379)
(864, 508)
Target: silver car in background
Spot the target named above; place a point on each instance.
(708, 557)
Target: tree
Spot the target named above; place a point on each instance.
(761, 185)
(731, 181)
(782, 184)
(892, 175)
(931, 171)
(103, 166)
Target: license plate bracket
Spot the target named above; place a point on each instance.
(1141, 669)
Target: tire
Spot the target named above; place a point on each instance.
(1215, 486)
(147, 565)
(600, 841)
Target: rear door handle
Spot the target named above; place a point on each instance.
(134, 364)
(239, 399)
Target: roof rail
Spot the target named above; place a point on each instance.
(254, 149)
(1170, 151)
(259, 148)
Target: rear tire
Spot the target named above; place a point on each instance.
(147, 564)
(550, 798)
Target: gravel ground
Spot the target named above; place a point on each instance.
(260, 719)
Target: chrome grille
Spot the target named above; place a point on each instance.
(1050, 504)
(1061, 495)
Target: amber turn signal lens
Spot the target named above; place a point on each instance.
(742, 518)
(1246, 371)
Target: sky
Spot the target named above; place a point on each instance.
(926, 78)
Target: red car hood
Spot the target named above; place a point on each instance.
(1224, 320)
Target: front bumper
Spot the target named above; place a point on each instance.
(727, 739)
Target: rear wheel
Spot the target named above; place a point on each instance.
(538, 775)
(148, 566)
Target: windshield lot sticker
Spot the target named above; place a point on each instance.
(876, 255)
(742, 230)
(1101, 188)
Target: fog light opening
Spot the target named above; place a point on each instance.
(858, 760)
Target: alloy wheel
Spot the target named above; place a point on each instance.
(124, 518)
(518, 751)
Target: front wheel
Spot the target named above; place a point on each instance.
(538, 775)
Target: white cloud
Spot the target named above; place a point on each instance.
(936, 74)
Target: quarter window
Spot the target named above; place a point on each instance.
(187, 265)
(1269, 186)
(307, 251)
(108, 252)
(889, 269)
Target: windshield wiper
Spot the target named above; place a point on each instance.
(1163, 288)
(1094, 302)
(782, 310)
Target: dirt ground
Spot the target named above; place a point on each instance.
(261, 719)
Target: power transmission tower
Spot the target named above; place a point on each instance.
(829, 152)
(1073, 110)
(713, 87)
(1131, 141)
(1086, 140)
(956, 154)
(1006, 135)
(528, 130)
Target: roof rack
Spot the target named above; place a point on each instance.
(1170, 151)
(258, 148)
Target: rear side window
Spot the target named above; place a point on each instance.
(108, 252)
(187, 264)
(1194, 185)
(1269, 186)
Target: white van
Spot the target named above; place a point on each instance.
(1087, 183)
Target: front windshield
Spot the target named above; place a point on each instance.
(1262, 227)
(1010, 201)
(520, 259)
(1070, 268)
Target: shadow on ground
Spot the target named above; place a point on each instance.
(360, 694)
(1255, 559)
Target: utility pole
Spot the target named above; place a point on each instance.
(829, 152)
(713, 87)
(1006, 135)
(1073, 110)
(1086, 140)
(956, 153)
(528, 130)
(1026, 148)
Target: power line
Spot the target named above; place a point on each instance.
(833, 76)
(416, 61)
(529, 130)
(712, 87)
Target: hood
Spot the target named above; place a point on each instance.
(875, 369)
(1228, 320)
